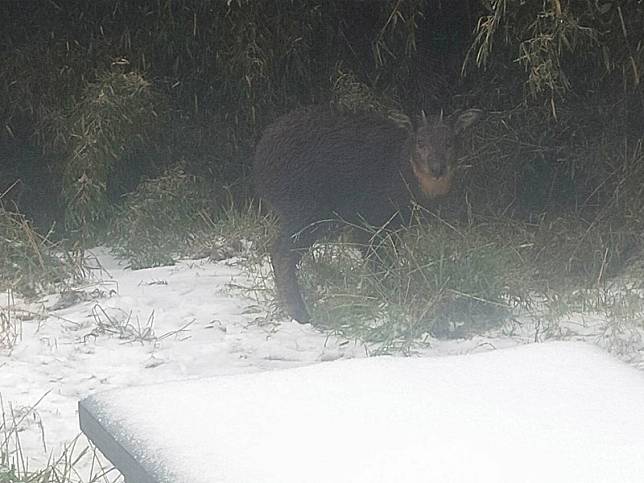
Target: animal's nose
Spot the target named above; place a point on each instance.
(438, 169)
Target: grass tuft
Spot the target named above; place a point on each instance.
(31, 262)
(419, 282)
(163, 219)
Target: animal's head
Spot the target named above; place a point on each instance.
(435, 147)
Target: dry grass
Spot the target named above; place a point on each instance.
(29, 261)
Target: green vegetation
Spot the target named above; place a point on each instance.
(423, 281)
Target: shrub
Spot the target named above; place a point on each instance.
(162, 219)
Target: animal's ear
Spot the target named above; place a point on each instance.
(465, 119)
(423, 118)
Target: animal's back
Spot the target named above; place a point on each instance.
(316, 161)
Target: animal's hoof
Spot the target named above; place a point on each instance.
(299, 314)
(302, 318)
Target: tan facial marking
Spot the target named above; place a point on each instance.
(430, 185)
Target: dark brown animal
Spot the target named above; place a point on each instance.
(317, 164)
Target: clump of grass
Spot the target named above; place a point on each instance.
(163, 219)
(569, 251)
(419, 282)
(126, 326)
(244, 230)
(29, 261)
(10, 327)
(178, 215)
(610, 315)
(623, 333)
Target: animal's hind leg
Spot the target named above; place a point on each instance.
(286, 253)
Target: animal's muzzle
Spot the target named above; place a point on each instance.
(438, 170)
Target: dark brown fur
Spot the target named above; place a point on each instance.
(318, 164)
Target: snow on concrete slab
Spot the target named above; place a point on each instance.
(560, 411)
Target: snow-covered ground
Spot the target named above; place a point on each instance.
(165, 324)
